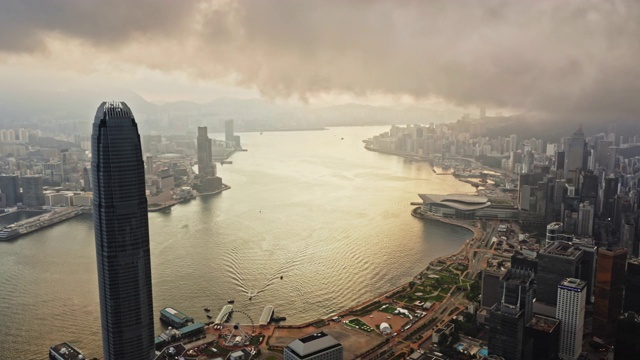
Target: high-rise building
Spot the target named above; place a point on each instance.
(10, 186)
(553, 230)
(572, 296)
(507, 319)
(490, 292)
(122, 235)
(609, 291)
(228, 130)
(585, 219)
(318, 346)
(32, 192)
(632, 287)
(575, 154)
(557, 261)
(86, 178)
(627, 337)
(545, 333)
(205, 158)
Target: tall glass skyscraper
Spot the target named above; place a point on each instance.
(122, 235)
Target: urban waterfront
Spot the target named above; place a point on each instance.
(313, 207)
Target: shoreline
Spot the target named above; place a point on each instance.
(476, 234)
(176, 202)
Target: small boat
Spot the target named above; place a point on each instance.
(209, 316)
(207, 309)
(250, 297)
(230, 301)
(281, 276)
(278, 318)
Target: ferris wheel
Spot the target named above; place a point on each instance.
(239, 330)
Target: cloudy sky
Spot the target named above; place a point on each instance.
(574, 56)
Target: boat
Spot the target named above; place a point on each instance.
(281, 276)
(209, 316)
(278, 318)
(230, 301)
(207, 309)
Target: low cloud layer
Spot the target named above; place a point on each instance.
(566, 57)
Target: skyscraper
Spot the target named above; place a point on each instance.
(122, 235)
(507, 319)
(557, 261)
(205, 158)
(572, 297)
(609, 291)
(575, 155)
(10, 186)
(32, 192)
(627, 335)
(632, 287)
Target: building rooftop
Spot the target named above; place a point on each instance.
(175, 315)
(66, 351)
(313, 343)
(573, 283)
(517, 277)
(561, 248)
(543, 323)
(457, 201)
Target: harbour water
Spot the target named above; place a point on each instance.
(313, 207)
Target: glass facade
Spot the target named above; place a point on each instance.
(122, 235)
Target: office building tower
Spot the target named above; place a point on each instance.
(553, 230)
(490, 293)
(610, 191)
(628, 235)
(572, 296)
(609, 291)
(632, 287)
(228, 130)
(149, 165)
(10, 186)
(205, 157)
(523, 262)
(507, 319)
(627, 345)
(32, 193)
(575, 159)
(122, 235)
(588, 187)
(318, 346)
(86, 178)
(557, 261)
(585, 219)
(545, 334)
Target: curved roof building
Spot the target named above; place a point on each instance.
(454, 205)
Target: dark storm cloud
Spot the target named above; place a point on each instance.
(25, 24)
(575, 56)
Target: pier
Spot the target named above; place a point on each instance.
(224, 314)
(24, 227)
(266, 316)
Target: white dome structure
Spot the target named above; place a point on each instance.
(385, 328)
